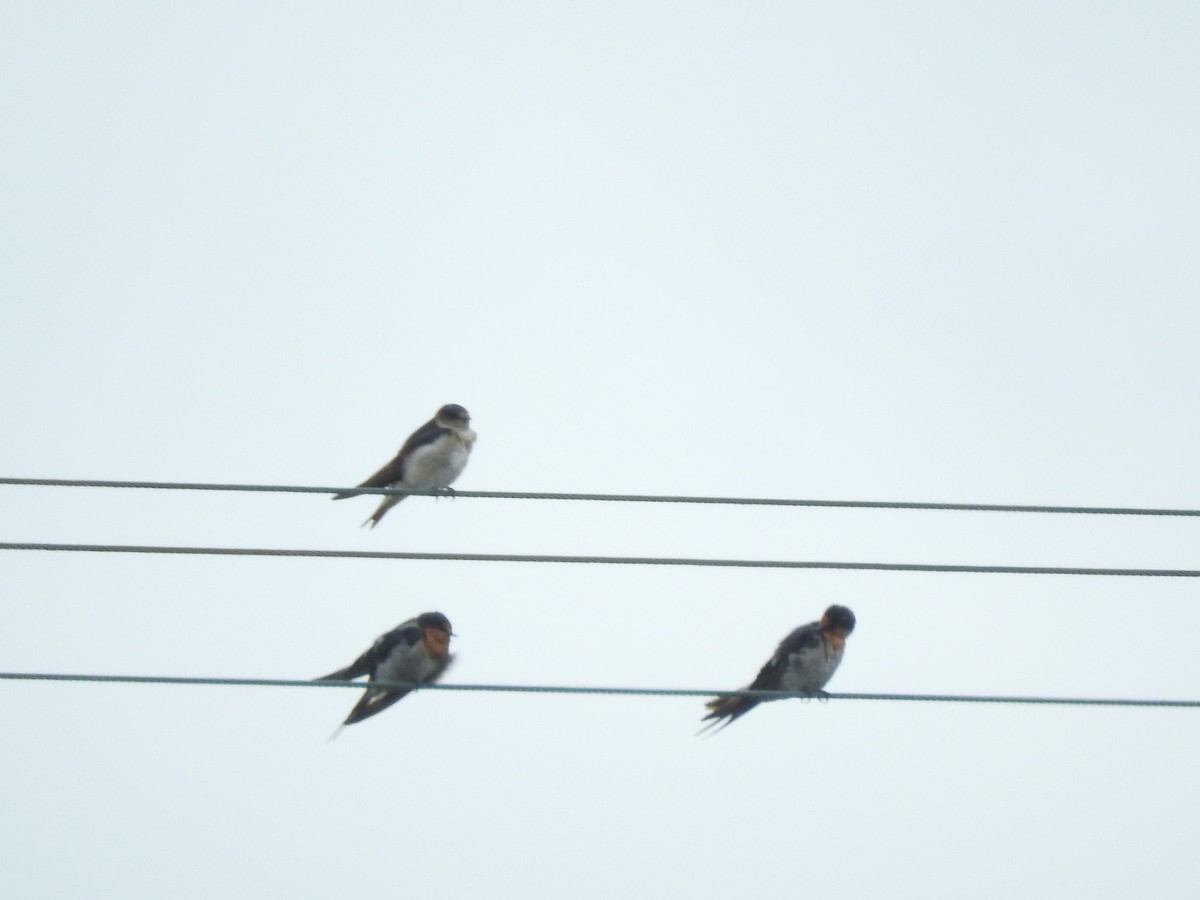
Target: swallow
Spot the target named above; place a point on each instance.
(416, 651)
(804, 663)
(432, 457)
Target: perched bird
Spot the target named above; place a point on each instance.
(804, 663)
(416, 651)
(432, 457)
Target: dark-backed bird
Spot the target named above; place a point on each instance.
(416, 651)
(432, 457)
(804, 663)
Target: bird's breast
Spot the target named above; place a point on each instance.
(810, 669)
(437, 643)
(408, 663)
(436, 465)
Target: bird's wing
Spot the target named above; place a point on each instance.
(726, 708)
(803, 638)
(377, 700)
(393, 472)
(372, 702)
(408, 633)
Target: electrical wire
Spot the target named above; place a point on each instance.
(600, 560)
(612, 498)
(612, 691)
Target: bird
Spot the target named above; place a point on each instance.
(804, 662)
(432, 457)
(416, 651)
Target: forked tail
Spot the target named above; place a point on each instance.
(725, 709)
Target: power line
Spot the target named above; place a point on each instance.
(612, 498)
(613, 691)
(600, 560)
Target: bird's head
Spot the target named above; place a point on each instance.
(436, 621)
(453, 416)
(838, 619)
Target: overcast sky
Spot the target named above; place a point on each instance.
(882, 251)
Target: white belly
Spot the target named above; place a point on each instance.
(436, 466)
(409, 664)
(810, 669)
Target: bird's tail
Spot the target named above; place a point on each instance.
(373, 702)
(388, 503)
(726, 709)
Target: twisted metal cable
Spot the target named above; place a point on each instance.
(612, 498)
(613, 691)
(600, 560)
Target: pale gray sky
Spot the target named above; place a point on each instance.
(915, 251)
